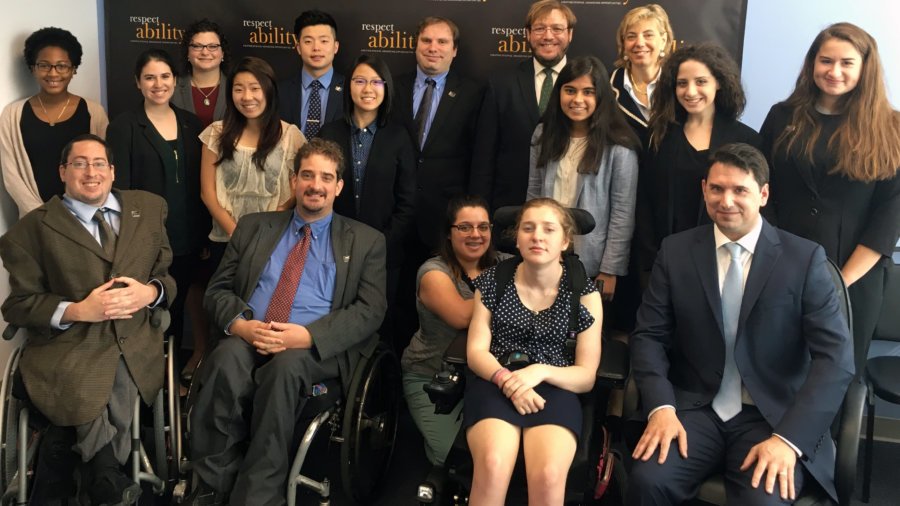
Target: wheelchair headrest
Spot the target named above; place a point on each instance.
(505, 219)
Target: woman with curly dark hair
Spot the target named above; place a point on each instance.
(698, 100)
(205, 50)
(34, 130)
(834, 148)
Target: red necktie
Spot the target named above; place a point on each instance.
(286, 289)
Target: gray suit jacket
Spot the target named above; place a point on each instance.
(349, 330)
(609, 196)
(52, 258)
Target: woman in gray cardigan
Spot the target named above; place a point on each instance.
(203, 91)
(583, 154)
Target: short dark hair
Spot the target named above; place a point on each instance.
(150, 55)
(312, 18)
(384, 72)
(202, 26)
(67, 149)
(52, 37)
(323, 147)
(436, 20)
(742, 156)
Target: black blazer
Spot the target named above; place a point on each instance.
(387, 197)
(503, 137)
(629, 108)
(140, 165)
(290, 99)
(443, 163)
(793, 347)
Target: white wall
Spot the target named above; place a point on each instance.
(778, 34)
(19, 19)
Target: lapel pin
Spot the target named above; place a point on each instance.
(337, 88)
(451, 94)
(135, 214)
(346, 258)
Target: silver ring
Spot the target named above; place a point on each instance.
(783, 473)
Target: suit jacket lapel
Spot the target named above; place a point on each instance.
(60, 219)
(704, 255)
(525, 76)
(334, 97)
(445, 105)
(269, 233)
(128, 223)
(341, 245)
(765, 257)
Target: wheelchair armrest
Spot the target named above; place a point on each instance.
(614, 361)
(160, 318)
(847, 440)
(456, 352)
(10, 332)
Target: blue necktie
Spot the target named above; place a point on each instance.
(424, 111)
(314, 114)
(727, 402)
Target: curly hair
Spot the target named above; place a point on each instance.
(445, 245)
(202, 26)
(636, 15)
(322, 147)
(666, 110)
(607, 125)
(52, 37)
(866, 141)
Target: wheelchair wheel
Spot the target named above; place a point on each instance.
(370, 425)
(9, 426)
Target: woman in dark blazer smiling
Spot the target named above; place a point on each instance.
(379, 164)
(156, 149)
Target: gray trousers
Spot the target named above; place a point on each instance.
(114, 423)
(244, 415)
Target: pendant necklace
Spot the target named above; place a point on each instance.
(53, 123)
(205, 95)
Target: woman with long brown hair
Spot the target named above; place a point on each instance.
(834, 147)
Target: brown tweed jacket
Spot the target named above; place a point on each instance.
(52, 258)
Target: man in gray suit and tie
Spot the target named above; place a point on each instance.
(299, 296)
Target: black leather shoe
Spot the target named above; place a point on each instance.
(205, 495)
(114, 489)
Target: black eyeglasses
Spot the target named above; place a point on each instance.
(62, 67)
(212, 48)
(467, 228)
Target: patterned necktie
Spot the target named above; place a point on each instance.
(727, 402)
(314, 114)
(280, 306)
(107, 235)
(424, 111)
(546, 89)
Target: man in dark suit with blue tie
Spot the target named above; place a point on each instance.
(741, 352)
(313, 96)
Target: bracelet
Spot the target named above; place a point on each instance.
(499, 375)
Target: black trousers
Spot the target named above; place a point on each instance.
(714, 447)
(244, 416)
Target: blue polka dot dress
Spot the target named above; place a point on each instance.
(539, 334)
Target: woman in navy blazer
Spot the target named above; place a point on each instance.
(155, 148)
(382, 194)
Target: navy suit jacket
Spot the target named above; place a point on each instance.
(290, 98)
(793, 347)
(503, 137)
(443, 163)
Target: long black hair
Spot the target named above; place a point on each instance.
(234, 122)
(445, 246)
(606, 126)
(384, 72)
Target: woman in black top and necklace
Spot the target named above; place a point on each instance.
(156, 148)
(34, 130)
(834, 147)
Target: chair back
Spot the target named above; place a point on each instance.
(888, 327)
(505, 220)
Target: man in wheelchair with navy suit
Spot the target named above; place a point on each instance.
(92, 345)
(299, 296)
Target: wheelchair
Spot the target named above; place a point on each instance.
(845, 430)
(21, 430)
(593, 462)
(363, 421)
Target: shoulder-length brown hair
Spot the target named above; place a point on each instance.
(667, 111)
(867, 143)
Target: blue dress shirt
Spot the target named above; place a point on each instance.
(361, 140)
(318, 279)
(440, 81)
(306, 82)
